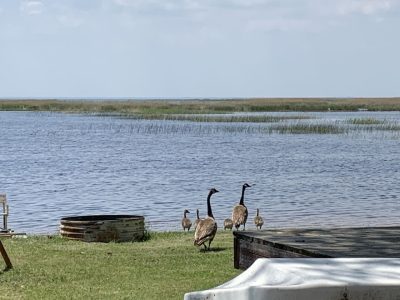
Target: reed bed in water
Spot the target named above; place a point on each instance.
(307, 129)
(204, 106)
(372, 124)
(208, 128)
(365, 121)
(222, 118)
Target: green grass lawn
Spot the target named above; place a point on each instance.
(164, 267)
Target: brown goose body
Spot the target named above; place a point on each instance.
(186, 223)
(240, 213)
(228, 224)
(258, 220)
(206, 228)
(205, 231)
(239, 216)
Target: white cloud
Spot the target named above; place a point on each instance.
(190, 4)
(274, 14)
(260, 15)
(131, 3)
(218, 16)
(31, 7)
(150, 4)
(248, 3)
(366, 7)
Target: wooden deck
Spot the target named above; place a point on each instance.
(329, 242)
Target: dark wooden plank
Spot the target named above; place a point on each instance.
(312, 242)
(5, 257)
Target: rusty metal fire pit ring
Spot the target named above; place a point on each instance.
(103, 228)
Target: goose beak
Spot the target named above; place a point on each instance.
(216, 191)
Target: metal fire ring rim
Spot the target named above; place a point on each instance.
(98, 218)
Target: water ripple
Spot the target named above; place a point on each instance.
(55, 165)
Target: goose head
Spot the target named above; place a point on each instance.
(213, 191)
(246, 185)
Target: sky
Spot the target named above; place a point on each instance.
(199, 48)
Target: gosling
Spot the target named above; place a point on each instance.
(228, 224)
(186, 223)
(258, 220)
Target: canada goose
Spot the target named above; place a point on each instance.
(196, 222)
(206, 228)
(240, 213)
(186, 223)
(228, 224)
(258, 220)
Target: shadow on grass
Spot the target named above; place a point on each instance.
(214, 249)
(5, 270)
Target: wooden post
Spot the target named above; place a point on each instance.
(5, 220)
(5, 257)
(3, 200)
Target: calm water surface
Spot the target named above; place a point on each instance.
(55, 165)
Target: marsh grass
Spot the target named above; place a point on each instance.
(365, 121)
(164, 267)
(372, 124)
(204, 106)
(217, 116)
(167, 127)
(220, 118)
(390, 127)
(307, 129)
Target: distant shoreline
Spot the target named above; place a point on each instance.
(200, 106)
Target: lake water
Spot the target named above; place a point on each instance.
(54, 165)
